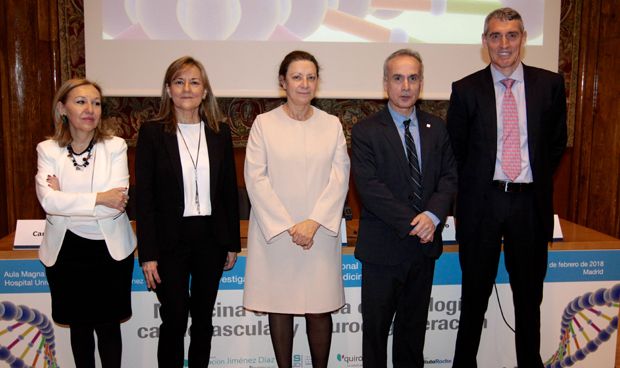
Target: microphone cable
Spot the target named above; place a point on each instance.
(501, 310)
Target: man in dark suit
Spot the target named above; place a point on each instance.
(405, 174)
(507, 124)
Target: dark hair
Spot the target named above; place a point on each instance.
(62, 134)
(403, 52)
(296, 56)
(503, 14)
(208, 111)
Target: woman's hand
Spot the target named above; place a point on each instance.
(231, 259)
(53, 182)
(303, 233)
(150, 274)
(114, 198)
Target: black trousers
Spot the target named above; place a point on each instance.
(190, 276)
(514, 217)
(401, 292)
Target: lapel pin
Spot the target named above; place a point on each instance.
(428, 125)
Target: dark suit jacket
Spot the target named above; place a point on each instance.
(472, 124)
(381, 173)
(159, 190)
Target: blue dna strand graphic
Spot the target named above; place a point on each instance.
(583, 327)
(34, 329)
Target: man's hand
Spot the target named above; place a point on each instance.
(423, 227)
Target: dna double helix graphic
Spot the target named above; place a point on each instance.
(583, 327)
(35, 330)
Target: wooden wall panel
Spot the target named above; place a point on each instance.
(4, 88)
(29, 77)
(595, 171)
(604, 214)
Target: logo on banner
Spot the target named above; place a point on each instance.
(300, 361)
(350, 360)
(438, 361)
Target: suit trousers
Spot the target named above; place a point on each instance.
(515, 218)
(190, 274)
(402, 293)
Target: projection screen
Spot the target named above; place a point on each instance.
(129, 43)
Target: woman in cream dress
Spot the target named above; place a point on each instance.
(297, 176)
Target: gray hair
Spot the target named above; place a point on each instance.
(504, 15)
(403, 52)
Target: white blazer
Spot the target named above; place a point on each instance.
(110, 171)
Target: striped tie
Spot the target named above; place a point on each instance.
(414, 167)
(511, 148)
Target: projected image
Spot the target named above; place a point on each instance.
(399, 21)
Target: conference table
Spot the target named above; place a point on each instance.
(576, 237)
(566, 258)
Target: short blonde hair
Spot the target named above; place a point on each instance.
(62, 134)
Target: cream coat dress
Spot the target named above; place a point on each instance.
(295, 170)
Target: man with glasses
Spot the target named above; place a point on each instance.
(507, 124)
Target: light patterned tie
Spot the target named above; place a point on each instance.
(511, 144)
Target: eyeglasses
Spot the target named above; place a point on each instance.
(496, 37)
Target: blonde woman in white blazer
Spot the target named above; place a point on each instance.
(87, 250)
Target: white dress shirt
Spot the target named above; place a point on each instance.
(190, 134)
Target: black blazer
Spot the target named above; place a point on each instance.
(159, 190)
(472, 124)
(380, 169)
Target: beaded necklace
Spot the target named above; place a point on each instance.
(72, 154)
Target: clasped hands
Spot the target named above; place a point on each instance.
(423, 227)
(303, 233)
